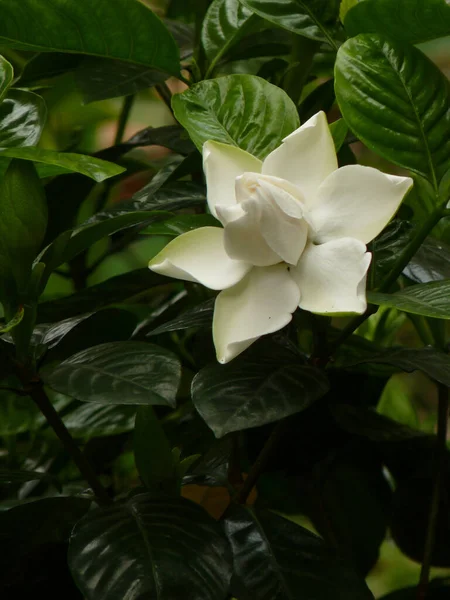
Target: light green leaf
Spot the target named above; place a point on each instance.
(410, 21)
(241, 110)
(339, 132)
(22, 118)
(397, 102)
(428, 299)
(6, 76)
(121, 29)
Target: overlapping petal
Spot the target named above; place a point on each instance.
(358, 202)
(222, 164)
(200, 256)
(263, 302)
(305, 158)
(332, 277)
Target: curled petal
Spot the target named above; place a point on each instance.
(305, 158)
(357, 202)
(332, 277)
(222, 164)
(263, 302)
(200, 256)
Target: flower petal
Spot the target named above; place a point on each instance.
(332, 277)
(222, 164)
(200, 256)
(263, 302)
(305, 158)
(357, 202)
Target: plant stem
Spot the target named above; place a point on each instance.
(123, 118)
(438, 472)
(166, 95)
(34, 388)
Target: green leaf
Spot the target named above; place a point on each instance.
(170, 547)
(427, 299)
(430, 263)
(120, 29)
(118, 373)
(397, 102)
(22, 119)
(266, 384)
(6, 76)
(387, 246)
(346, 5)
(98, 420)
(47, 65)
(241, 110)
(225, 23)
(412, 21)
(180, 224)
(275, 558)
(152, 453)
(14, 476)
(314, 19)
(339, 132)
(23, 221)
(15, 320)
(198, 316)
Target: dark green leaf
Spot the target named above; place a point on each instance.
(397, 102)
(268, 42)
(6, 76)
(184, 35)
(387, 246)
(241, 110)
(410, 21)
(314, 19)
(277, 559)
(265, 384)
(152, 452)
(171, 549)
(430, 263)
(120, 29)
(98, 420)
(48, 65)
(96, 169)
(22, 119)
(321, 98)
(118, 373)
(428, 299)
(199, 316)
(339, 132)
(181, 224)
(12, 476)
(225, 23)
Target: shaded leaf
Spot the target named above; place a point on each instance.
(427, 299)
(198, 316)
(14, 476)
(387, 246)
(175, 226)
(430, 263)
(22, 119)
(6, 76)
(92, 419)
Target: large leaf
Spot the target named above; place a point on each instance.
(410, 21)
(67, 162)
(267, 383)
(397, 102)
(428, 299)
(6, 76)
(313, 19)
(430, 263)
(121, 29)
(98, 420)
(225, 23)
(150, 547)
(276, 559)
(22, 118)
(118, 373)
(241, 110)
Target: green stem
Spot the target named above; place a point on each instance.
(166, 95)
(422, 328)
(123, 118)
(438, 472)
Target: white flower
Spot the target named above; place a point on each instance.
(295, 229)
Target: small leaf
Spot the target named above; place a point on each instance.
(428, 299)
(241, 110)
(339, 132)
(169, 546)
(387, 246)
(412, 21)
(118, 373)
(120, 29)
(396, 101)
(198, 316)
(6, 76)
(22, 119)
(430, 263)
(265, 384)
(180, 224)
(16, 319)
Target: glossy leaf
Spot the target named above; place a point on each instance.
(428, 299)
(226, 22)
(387, 246)
(397, 102)
(6, 76)
(99, 420)
(118, 373)
(339, 132)
(430, 263)
(198, 316)
(119, 29)
(241, 110)
(265, 384)
(410, 21)
(314, 19)
(22, 119)
(277, 559)
(170, 546)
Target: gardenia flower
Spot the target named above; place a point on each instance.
(295, 229)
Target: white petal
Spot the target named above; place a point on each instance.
(305, 158)
(222, 164)
(263, 302)
(332, 277)
(357, 202)
(200, 256)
